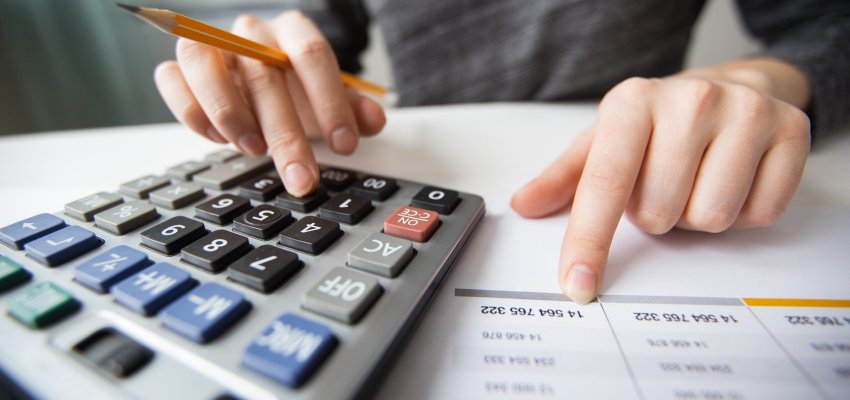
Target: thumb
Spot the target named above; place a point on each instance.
(554, 189)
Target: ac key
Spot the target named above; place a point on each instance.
(264, 221)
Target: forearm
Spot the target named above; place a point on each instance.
(766, 75)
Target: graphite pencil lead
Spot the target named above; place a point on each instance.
(132, 9)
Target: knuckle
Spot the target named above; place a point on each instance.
(311, 49)
(260, 78)
(631, 88)
(291, 14)
(285, 142)
(246, 22)
(165, 70)
(699, 95)
(759, 218)
(190, 113)
(224, 115)
(190, 50)
(608, 178)
(652, 220)
(709, 220)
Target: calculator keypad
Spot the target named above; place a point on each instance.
(320, 270)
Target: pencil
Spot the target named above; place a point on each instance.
(180, 25)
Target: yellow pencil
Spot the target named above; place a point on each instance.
(181, 25)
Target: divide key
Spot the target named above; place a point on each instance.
(63, 245)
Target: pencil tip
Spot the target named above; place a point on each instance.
(132, 9)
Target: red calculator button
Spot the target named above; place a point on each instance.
(412, 223)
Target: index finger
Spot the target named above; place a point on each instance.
(622, 133)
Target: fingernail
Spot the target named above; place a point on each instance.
(297, 179)
(580, 284)
(213, 134)
(252, 144)
(343, 140)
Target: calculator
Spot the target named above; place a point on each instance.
(210, 281)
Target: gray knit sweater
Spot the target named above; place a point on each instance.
(454, 51)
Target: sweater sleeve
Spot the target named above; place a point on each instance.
(345, 24)
(814, 36)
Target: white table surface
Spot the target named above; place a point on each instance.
(484, 149)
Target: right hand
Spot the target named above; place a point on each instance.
(260, 108)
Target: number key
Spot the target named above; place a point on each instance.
(310, 234)
(263, 222)
(265, 268)
(336, 179)
(172, 235)
(215, 251)
(222, 209)
(346, 208)
(262, 188)
(375, 187)
(437, 199)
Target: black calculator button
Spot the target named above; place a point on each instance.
(336, 179)
(215, 251)
(436, 199)
(222, 209)
(346, 208)
(173, 234)
(262, 188)
(310, 234)
(375, 187)
(113, 352)
(263, 221)
(264, 268)
(302, 204)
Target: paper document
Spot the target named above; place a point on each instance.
(757, 314)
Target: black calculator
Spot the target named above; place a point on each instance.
(210, 281)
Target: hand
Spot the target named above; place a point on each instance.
(693, 153)
(259, 108)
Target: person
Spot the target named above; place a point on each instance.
(704, 149)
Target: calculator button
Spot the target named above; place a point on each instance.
(265, 268)
(381, 254)
(375, 187)
(343, 295)
(215, 251)
(177, 195)
(310, 234)
(346, 208)
(290, 349)
(42, 304)
(222, 209)
(84, 209)
(412, 223)
(116, 264)
(22, 232)
(152, 288)
(262, 188)
(205, 312)
(336, 179)
(173, 234)
(12, 274)
(185, 171)
(125, 217)
(227, 175)
(113, 352)
(263, 221)
(222, 156)
(63, 245)
(140, 188)
(302, 204)
(440, 200)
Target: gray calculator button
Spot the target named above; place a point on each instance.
(343, 295)
(222, 156)
(232, 172)
(140, 188)
(126, 217)
(177, 195)
(381, 254)
(186, 170)
(84, 209)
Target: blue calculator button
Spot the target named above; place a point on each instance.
(23, 232)
(107, 269)
(205, 312)
(290, 349)
(63, 245)
(152, 288)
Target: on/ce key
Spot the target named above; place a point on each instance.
(412, 223)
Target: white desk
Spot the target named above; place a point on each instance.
(485, 149)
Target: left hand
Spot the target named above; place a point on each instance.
(694, 153)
